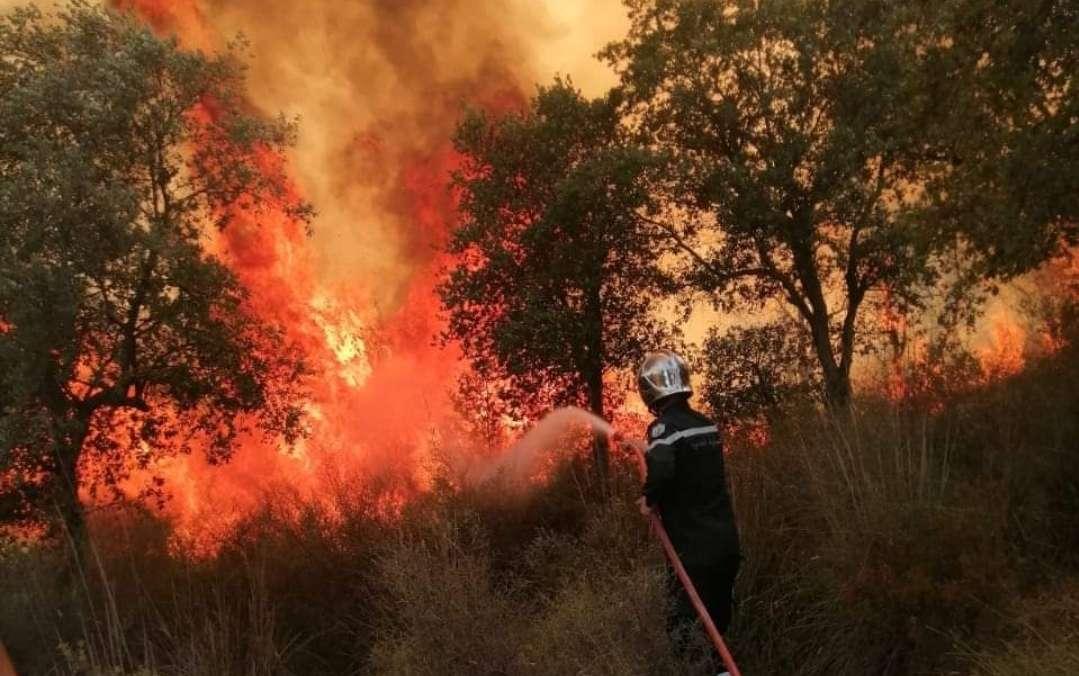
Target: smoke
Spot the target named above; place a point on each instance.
(379, 87)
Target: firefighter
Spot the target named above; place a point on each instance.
(687, 485)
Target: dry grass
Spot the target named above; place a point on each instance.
(1043, 637)
(895, 542)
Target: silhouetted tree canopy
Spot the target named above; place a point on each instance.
(1007, 83)
(751, 373)
(829, 155)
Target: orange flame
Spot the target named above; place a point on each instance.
(1004, 353)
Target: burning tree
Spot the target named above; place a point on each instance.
(557, 276)
(123, 339)
(802, 137)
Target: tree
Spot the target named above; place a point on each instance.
(796, 136)
(1011, 188)
(556, 276)
(751, 373)
(123, 340)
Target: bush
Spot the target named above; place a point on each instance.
(442, 610)
(446, 611)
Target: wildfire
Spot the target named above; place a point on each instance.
(379, 87)
(343, 331)
(1003, 354)
(1019, 326)
(1011, 339)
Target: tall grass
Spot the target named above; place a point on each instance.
(877, 543)
(863, 552)
(892, 541)
(1044, 637)
(130, 609)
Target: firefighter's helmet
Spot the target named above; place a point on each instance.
(661, 375)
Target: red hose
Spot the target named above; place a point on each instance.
(676, 563)
(6, 667)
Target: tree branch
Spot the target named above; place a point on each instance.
(784, 280)
(721, 276)
(849, 321)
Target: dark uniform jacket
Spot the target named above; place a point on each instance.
(687, 482)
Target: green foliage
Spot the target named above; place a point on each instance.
(830, 155)
(757, 372)
(558, 276)
(793, 129)
(123, 339)
(1012, 133)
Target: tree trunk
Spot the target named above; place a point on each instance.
(600, 443)
(837, 389)
(67, 446)
(593, 372)
(814, 309)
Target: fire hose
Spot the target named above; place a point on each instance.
(6, 667)
(676, 563)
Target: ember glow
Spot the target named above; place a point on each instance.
(1009, 339)
(379, 87)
